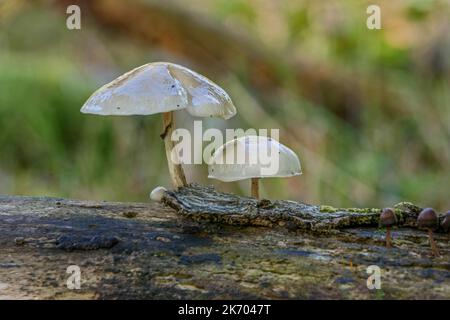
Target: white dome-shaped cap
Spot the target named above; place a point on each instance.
(157, 194)
(160, 87)
(253, 157)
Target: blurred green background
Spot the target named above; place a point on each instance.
(367, 111)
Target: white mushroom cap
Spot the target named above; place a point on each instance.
(160, 87)
(157, 194)
(264, 157)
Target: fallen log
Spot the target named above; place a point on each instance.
(205, 244)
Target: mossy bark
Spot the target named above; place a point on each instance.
(206, 204)
(254, 249)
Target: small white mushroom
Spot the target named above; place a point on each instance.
(162, 87)
(157, 194)
(263, 157)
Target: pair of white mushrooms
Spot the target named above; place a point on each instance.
(163, 87)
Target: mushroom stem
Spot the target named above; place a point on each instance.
(388, 237)
(434, 248)
(176, 170)
(255, 188)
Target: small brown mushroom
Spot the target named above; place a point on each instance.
(387, 220)
(428, 220)
(446, 222)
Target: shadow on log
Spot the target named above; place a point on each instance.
(151, 251)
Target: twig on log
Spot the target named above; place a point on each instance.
(206, 204)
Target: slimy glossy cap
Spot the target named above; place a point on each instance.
(253, 157)
(160, 87)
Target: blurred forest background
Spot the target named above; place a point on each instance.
(367, 111)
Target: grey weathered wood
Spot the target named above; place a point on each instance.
(255, 250)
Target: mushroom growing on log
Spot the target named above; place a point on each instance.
(157, 194)
(446, 222)
(428, 220)
(162, 87)
(388, 219)
(253, 157)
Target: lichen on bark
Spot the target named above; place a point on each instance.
(203, 203)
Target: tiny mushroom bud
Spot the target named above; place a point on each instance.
(446, 222)
(157, 194)
(387, 220)
(256, 157)
(162, 87)
(428, 220)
